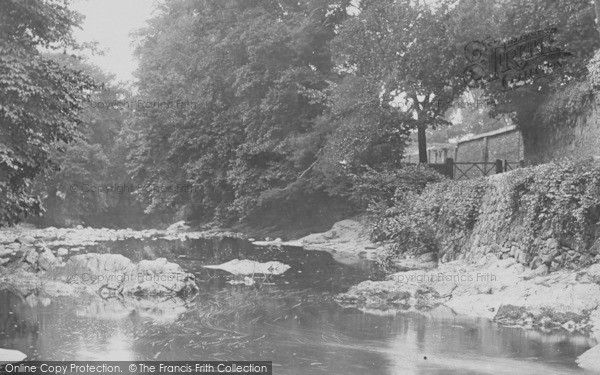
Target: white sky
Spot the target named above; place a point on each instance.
(109, 22)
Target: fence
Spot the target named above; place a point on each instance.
(470, 170)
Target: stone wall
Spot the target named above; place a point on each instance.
(505, 143)
(499, 229)
(578, 137)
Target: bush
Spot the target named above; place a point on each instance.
(563, 198)
(558, 200)
(383, 189)
(416, 222)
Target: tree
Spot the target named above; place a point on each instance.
(40, 100)
(406, 51)
(249, 77)
(76, 192)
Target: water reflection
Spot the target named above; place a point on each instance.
(289, 319)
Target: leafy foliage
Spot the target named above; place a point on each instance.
(78, 191)
(40, 100)
(562, 198)
(257, 89)
(558, 198)
(417, 222)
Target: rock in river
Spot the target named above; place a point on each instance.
(249, 267)
(113, 273)
(105, 274)
(590, 360)
(11, 356)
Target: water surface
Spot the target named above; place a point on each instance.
(289, 319)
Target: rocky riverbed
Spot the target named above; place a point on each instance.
(498, 289)
(43, 264)
(74, 239)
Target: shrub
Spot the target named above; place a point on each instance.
(383, 189)
(416, 223)
(560, 200)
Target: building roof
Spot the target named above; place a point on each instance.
(490, 134)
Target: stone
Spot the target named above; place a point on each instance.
(427, 257)
(249, 267)
(569, 326)
(38, 259)
(445, 289)
(178, 226)
(552, 244)
(27, 239)
(535, 262)
(585, 259)
(547, 234)
(545, 322)
(590, 360)
(595, 249)
(549, 251)
(106, 272)
(11, 356)
(518, 255)
(46, 259)
(513, 250)
(541, 270)
(505, 263)
(5, 251)
(62, 251)
(593, 273)
(495, 248)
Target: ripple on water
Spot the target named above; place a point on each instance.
(290, 319)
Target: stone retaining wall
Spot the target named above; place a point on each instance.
(499, 230)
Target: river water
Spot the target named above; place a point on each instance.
(289, 319)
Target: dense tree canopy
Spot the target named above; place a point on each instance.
(40, 100)
(246, 80)
(246, 105)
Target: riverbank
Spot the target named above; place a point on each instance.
(520, 248)
(502, 290)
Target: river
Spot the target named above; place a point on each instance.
(289, 319)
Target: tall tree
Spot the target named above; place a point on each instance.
(40, 100)
(246, 82)
(408, 53)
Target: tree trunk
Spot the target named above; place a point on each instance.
(423, 141)
(597, 9)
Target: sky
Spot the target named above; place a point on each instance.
(109, 22)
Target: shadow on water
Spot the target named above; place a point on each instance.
(289, 319)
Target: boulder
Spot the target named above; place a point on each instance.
(249, 267)
(11, 356)
(62, 251)
(27, 239)
(593, 272)
(178, 226)
(5, 251)
(590, 360)
(549, 251)
(113, 275)
(38, 259)
(158, 278)
(427, 257)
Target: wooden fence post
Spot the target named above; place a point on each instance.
(498, 166)
(450, 168)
